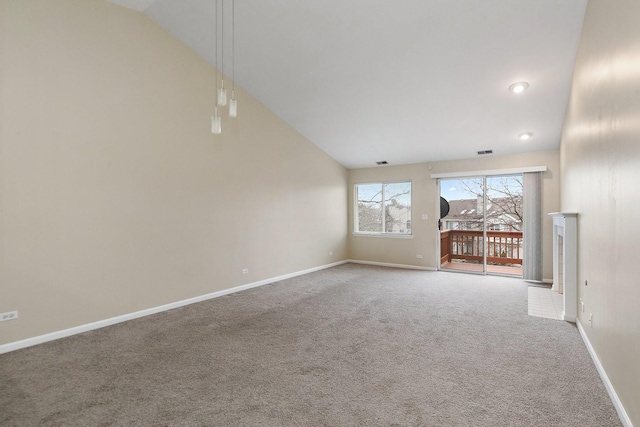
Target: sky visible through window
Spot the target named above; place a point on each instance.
(456, 189)
(372, 192)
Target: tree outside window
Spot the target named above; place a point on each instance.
(383, 208)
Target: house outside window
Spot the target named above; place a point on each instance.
(383, 208)
(467, 214)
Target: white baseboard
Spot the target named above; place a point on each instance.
(624, 417)
(17, 345)
(386, 264)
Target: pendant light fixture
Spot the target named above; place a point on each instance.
(233, 103)
(216, 122)
(221, 92)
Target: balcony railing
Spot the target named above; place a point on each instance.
(503, 247)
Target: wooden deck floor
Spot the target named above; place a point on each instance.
(491, 269)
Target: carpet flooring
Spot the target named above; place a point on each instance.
(349, 346)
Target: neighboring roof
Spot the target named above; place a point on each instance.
(467, 210)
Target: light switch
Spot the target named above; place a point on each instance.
(425, 216)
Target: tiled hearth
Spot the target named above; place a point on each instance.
(543, 302)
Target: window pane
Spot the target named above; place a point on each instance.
(504, 207)
(397, 207)
(369, 207)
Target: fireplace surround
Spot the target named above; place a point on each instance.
(565, 261)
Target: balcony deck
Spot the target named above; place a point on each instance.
(491, 269)
(463, 250)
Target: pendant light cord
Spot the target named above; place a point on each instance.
(222, 42)
(215, 42)
(233, 45)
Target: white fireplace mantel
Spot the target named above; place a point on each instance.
(565, 261)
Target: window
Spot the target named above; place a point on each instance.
(383, 208)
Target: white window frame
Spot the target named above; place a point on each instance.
(383, 233)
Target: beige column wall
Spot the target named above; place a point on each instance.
(115, 196)
(600, 163)
(425, 200)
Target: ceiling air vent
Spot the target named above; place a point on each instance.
(485, 152)
(383, 162)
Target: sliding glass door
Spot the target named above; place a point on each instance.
(481, 231)
(462, 239)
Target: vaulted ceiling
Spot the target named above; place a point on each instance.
(404, 81)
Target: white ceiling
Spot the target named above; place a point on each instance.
(405, 81)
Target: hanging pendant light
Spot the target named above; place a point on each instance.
(221, 92)
(233, 103)
(216, 122)
(222, 95)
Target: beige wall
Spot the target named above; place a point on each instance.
(426, 200)
(116, 197)
(600, 163)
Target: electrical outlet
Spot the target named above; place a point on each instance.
(582, 306)
(245, 271)
(9, 315)
(419, 256)
(591, 319)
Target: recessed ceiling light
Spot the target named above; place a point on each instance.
(524, 136)
(518, 87)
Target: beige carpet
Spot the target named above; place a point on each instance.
(350, 346)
